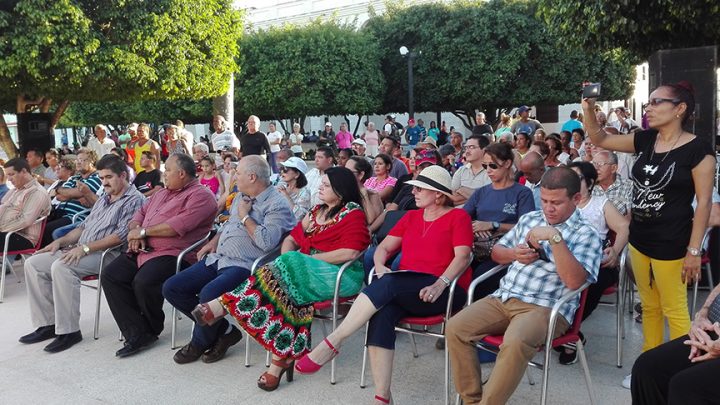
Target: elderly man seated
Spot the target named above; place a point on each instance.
(76, 194)
(53, 275)
(259, 217)
(610, 183)
(520, 309)
(172, 219)
(22, 206)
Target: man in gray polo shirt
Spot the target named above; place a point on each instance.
(388, 146)
(53, 275)
(259, 217)
(472, 175)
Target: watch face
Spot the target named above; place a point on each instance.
(557, 238)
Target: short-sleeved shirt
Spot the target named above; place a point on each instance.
(528, 127)
(101, 148)
(505, 206)
(538, 282)
(344, 139)
(438, 240)
(398, 168)
(482, 129)
(571, 125)
(619, 193)
(254, 144)
(111, 217)
(464, 177)
(662, 212)
(146, 181)
(372, 183)
(225, 141)
(413, 134)
(294, 140)
(274, 137)
(71, 207)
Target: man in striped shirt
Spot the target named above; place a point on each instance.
(78, 193)
(22, 206)
(53, 275)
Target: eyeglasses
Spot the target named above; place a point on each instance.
(654, 102)
(600, 164)
(471, 147)
(490, 165)
(284, 169)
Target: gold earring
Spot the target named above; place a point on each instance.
(677, 115)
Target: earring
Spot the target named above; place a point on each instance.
(677, 116)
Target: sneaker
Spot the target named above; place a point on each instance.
(626, 381)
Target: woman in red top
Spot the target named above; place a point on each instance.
(435, 241)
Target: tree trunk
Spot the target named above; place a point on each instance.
(6, 141)
(281, 122)
(59, 111)
(45, 105)
(464, 117)
(357, 126)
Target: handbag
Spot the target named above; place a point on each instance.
(482, 247)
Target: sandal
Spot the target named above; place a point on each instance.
(272, 382)
(306, 366)
(383, 400)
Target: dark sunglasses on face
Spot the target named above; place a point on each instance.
(493, 166)
(284, 169)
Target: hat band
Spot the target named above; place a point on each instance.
(433, 183)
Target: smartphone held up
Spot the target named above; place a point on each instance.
(591, 90)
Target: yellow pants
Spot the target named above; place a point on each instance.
(663, 294)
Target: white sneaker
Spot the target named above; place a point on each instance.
(626, 381)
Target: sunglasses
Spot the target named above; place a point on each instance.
(284, 169)
(493, 166)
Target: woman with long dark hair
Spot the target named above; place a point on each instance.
(274, 305)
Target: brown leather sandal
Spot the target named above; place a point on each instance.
(271, 382)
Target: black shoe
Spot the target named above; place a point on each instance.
(63, 342)
(187, 354)
(135, 346)
(440, 344)
(40, 334)
(218, 351)
(569, 354)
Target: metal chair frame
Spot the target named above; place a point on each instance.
(98, 287)
(5, 265)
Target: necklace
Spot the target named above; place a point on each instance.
(651, 168)
(425, 231)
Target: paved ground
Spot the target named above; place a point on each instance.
(90, 374)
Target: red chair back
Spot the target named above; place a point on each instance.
(38, 244)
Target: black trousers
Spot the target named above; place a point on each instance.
(135, 294)
(51, 226)
(16, 242)
(606, 278)
(664, 375)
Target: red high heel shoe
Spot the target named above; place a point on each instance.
(306, 366)
(271, 382)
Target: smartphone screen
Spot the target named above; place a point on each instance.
(591, 90)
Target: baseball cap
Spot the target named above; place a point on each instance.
(328, 124)
(359, 142)
(523, 108)
(411, 121)
(425, 156)
(296, 163)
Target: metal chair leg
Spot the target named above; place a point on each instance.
(529, 376)
(247, 349)
(447, 375)
(173, 329)
(364, 359)
(98, 302)
(586, 370)
(268, 356)
(414, 346)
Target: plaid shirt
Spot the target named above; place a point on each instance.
(619, 193)
(538, 282)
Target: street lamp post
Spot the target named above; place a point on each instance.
(410, 55)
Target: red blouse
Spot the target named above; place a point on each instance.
(347, 230)
(429, 246)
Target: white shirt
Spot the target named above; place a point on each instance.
(296, 139)
(314, 178)
(274, 137)
(388, 128)
(225, 140)
(101, 149)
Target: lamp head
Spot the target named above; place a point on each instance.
(404, 50)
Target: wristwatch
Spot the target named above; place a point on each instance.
(694, 252)
(556, 239)
(86, 249)
(445, 280)
(495, 226)
(143, 232)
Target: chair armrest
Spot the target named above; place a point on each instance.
(483, 277)
(10, 233)
(453, 284)
(556, 310)
(76, 216)
(344, 267)
(190, 248)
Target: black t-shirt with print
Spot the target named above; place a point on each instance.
(146, 181)
(663, 191)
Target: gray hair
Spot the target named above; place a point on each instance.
(259, 167)
(256, 119)
(287, 153)
(202, 147)
(296, 125)
(611, 156)
(185, 163)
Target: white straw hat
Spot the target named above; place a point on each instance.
(434, 178)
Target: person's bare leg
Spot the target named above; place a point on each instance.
(360, 312)
(381, 363)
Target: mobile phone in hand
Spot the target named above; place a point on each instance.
(541, 253)
(591, 90)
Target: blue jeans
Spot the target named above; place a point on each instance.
(62, 231)
(202, 283)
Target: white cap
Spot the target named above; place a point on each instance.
(296, 163)
(359, 142)
(328, 124)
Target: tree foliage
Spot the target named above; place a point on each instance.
(124, 112)
(118, 49)
(639, 26)
(321, 68)
(487, 55)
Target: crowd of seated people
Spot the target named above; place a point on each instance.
(555, 211)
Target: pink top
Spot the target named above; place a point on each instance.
(212, 183)
(372, 138)
(344, 139)
(379, 185)
(189, 211)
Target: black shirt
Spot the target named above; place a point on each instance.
(402, 194)
(663, 191)
(482, 129)
(146, 181)
(254, 144)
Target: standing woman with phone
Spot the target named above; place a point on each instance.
(672, 166)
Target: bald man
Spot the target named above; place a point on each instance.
(533, 167)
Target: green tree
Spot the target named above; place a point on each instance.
(640, 27)
(488, 56)
(324, 68)
(124, 112)
(111, 50)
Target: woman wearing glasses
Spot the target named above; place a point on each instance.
(292, 174)
(672, 167)
(495, 209)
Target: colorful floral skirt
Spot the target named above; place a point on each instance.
(275, 305)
